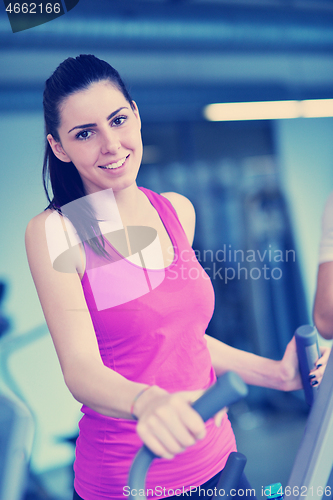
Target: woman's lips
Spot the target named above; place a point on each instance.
(114, 165)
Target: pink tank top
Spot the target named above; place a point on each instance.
(150, 327)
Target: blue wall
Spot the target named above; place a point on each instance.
(305, 153)
(21, 197)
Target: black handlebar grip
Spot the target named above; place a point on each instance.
(228, 389)
(308, 353)
(230, 476)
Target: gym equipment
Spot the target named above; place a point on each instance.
(16, 430)
(308, 353)
(314, 460)
(228, 389)
(230, 476)
(311, 476)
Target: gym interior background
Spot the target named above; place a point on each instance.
(261, 184)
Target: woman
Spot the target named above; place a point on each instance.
(130, 337)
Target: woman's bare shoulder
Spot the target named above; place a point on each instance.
(50, 236)
(49, 221)
(35, 232)
(37, 223)
(179, 200)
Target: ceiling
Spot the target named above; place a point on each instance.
(178, 55)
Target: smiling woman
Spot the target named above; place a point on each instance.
(129, 336)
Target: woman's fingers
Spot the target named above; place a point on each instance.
(325, 354)
(171, 425)
(220, 415)
(158, 438)
(167, 422)
(154, 445)
(316, 375)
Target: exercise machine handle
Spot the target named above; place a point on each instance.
(228, 389)
(230, 476)
(308, 353)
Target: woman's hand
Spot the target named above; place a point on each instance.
(290, 374)
(167, 423)
(290, 371)
(317, 373)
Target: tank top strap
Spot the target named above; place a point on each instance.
(170, 221)
(168, 216)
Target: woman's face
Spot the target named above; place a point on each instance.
(101, 134)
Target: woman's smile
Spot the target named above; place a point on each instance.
(115, 165)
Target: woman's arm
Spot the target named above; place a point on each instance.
(256, 370)
(71, 328)
(323, 306)
(253, 369)
(167, 423)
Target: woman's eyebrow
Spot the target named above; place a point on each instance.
(87, 125)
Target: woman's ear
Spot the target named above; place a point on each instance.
(136, 112)
(57, 149)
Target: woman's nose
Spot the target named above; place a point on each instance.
(110, 143)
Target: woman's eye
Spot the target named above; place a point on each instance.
(83, 135)
(119, 120)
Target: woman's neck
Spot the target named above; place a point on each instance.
(131, 203)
